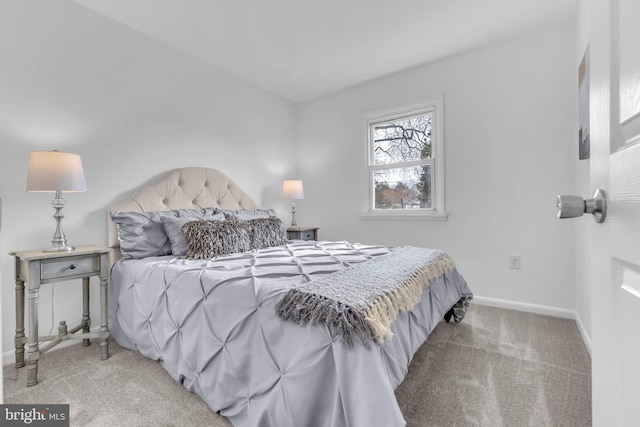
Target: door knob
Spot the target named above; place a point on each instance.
(574, 206)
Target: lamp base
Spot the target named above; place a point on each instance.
(59, 248)
(294, 224)
(59, 241)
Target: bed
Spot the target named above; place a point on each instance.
(212, 322)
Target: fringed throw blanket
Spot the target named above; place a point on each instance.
(363, 301)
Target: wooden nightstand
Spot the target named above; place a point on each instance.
(302, 233)
(37, 268)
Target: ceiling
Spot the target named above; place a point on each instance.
(303, 49)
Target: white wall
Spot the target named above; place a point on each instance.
(73, 80)
(510, 136)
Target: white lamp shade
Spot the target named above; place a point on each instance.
(55, 171)
(292, 189)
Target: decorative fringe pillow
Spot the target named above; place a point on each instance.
(267, 232)
(209, 239)
(173, 228)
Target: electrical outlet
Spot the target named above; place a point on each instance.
(515, 261)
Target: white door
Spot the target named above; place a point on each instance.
(615, 250)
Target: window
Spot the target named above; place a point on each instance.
(406, 159)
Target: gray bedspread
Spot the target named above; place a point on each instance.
(212, 324)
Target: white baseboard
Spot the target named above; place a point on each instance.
(529, 308)
(539, 309)
(8, 357)
(583, 333)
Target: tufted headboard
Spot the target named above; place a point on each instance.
(185, 188)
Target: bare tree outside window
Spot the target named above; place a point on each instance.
(402, 161)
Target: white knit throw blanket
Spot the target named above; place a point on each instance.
(363, 300)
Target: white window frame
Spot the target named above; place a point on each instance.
(437, 211)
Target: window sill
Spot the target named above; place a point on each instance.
(402, 216)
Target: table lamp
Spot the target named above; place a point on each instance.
(55, 171)
(292, 189)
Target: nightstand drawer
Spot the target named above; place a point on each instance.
(307, 235)
(56, 269)
(302, 233)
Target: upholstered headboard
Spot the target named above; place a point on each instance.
(185, 188)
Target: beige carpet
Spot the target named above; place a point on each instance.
(496, 368)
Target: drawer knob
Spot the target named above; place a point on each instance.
(72, 267)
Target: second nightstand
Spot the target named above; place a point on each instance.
(303, 233)
(37, 267)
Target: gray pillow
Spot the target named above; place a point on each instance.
(142, 234)
(244, 214)
(209, 239)
(173, 228)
